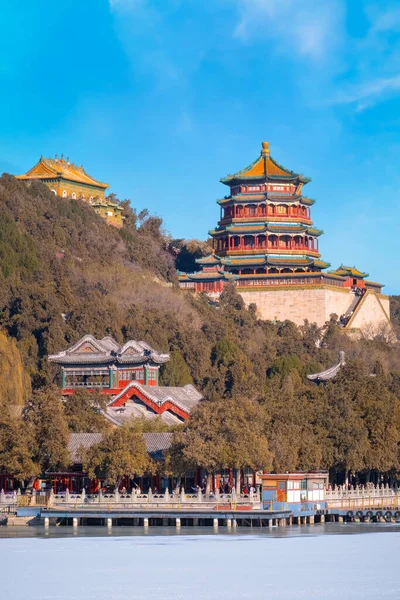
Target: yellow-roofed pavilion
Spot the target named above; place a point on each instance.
(67, 180)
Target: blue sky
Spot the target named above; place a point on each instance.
(161, 98)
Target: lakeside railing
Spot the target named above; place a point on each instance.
(131, 499)
(363, 496)
(155, 500)
(338, 497)
(8, 498)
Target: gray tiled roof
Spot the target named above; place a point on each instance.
(131, 411)
(77, 441)
(108, 351)
(156, 443)
(186, 397)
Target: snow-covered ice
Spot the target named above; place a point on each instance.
(196, 567)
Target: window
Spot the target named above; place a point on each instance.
(73, 195)
(318, 486)
(109, 213)
(281, 485)
(54, 192)
(293, 485)
(152, 374)
(139, 374)
(64, 193)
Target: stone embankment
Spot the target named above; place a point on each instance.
(367, 504)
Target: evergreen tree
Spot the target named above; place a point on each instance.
(175, 372)
(222, 434)
(122, 452)
(17, 448)
(45, 413)
(83, 411)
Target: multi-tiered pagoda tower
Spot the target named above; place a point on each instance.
(267, 244)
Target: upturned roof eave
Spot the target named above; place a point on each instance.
(56, 174)
(233, 179)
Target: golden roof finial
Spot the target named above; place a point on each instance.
(265, 148)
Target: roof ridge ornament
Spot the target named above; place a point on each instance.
(265, 149)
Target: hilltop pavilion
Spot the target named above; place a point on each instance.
(67, 180)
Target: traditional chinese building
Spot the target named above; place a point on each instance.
(129, 375)
(67, 180)
(266, 243)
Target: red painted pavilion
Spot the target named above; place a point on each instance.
(129, 375)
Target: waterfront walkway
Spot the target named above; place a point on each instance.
(380, 503)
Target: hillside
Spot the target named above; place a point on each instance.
(64, 273)
(395, 311)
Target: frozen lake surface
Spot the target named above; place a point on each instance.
(352, 563)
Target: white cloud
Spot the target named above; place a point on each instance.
(385, 21)
(369, 93)
(309, 28)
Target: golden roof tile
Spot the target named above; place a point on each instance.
(54, 168)
(265, 166)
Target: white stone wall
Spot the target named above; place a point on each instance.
(315, 305)
(384, 300)
(371, 317)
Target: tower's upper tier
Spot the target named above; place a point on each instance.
(265, 168)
